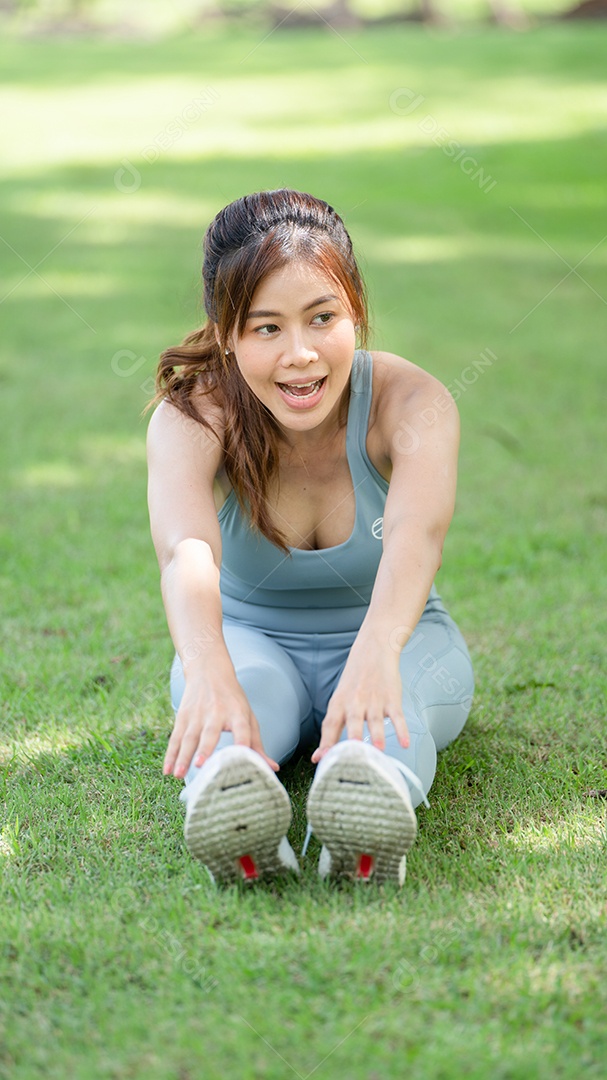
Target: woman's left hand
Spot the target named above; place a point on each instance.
(370, 689)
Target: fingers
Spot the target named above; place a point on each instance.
(187, 739)
(400, 727)
(377, 730)
(377, 727)
(320, 752)
(330, 732)
(256, 744)
(246, 733)
(354, 721)
(189, 744)
(173, 747)
(193, 743)
(204, 746)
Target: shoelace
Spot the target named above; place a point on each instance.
(410, 777)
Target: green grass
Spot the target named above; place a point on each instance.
(117, 958)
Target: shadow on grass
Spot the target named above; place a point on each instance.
(425, 229)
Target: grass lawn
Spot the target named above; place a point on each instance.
(470, 168)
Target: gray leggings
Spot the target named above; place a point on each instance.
(289, 677)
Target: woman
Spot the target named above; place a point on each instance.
(299, 499)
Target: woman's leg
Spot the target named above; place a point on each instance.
(237, 811)
(273, 687)
(438, 668)
(438, 684)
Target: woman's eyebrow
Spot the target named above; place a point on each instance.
(278, 315)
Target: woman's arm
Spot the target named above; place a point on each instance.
(421, 443)
(183, 460)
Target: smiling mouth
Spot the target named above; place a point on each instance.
(302, 389)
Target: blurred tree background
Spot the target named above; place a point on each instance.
(157, 17)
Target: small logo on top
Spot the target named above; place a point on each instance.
(377, 528)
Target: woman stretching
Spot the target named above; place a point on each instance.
(300, 490)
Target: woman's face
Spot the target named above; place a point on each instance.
(297, 349)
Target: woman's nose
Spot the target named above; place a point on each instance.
(299, 351)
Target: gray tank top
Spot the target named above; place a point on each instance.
(311, 591)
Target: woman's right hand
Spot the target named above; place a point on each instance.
(211, 703)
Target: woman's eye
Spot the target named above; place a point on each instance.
(266, 330)
(325, 317)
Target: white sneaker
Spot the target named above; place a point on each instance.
(359, 806)
(237, 817)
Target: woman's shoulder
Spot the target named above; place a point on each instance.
(402, 393)
(397, 381)
(199, 430)
(209, 405)
(395, 372)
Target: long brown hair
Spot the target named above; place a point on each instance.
(249, 239)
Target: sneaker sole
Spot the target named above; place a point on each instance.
(356, 811)
(239, 820)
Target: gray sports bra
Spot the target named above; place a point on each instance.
(330, 588)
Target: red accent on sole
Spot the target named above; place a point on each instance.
(365, 866)
(248, 867)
